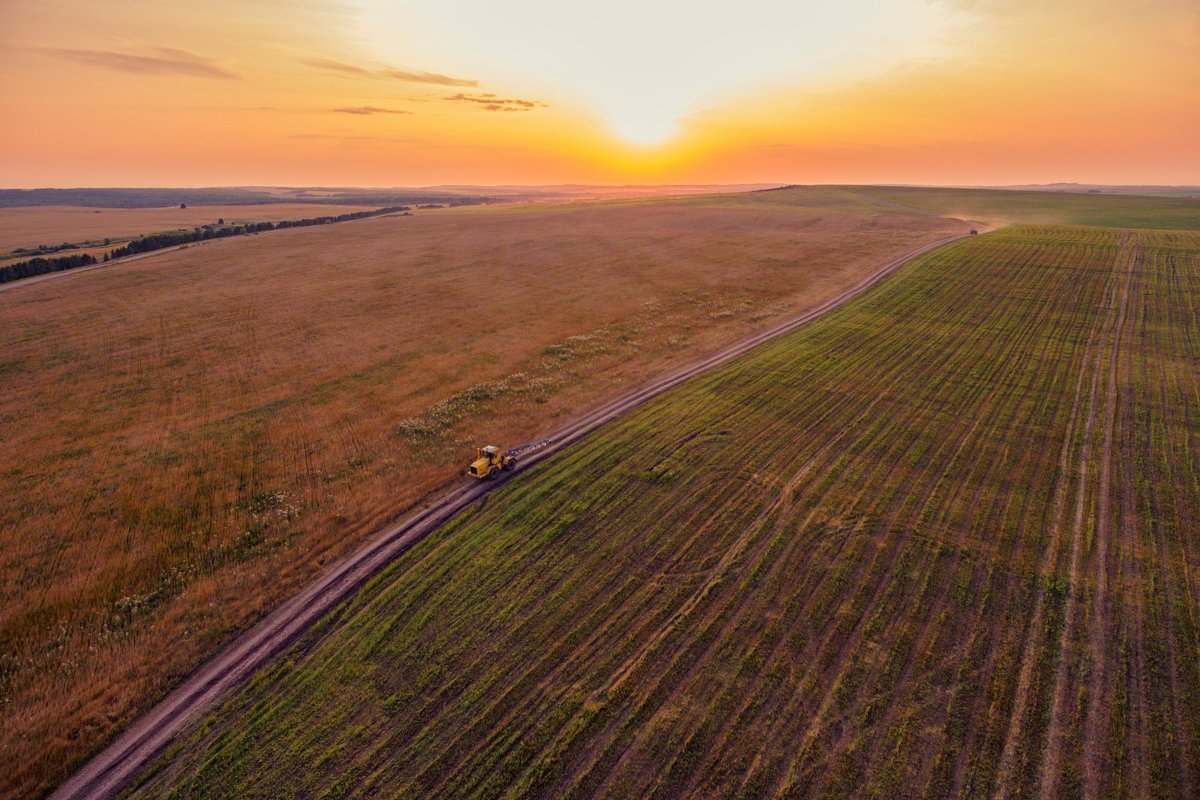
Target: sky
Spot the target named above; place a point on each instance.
(379, 93)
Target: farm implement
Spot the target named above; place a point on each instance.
(489, 461)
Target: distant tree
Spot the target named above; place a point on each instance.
(183, 205)
(107, 241)
(221, 221)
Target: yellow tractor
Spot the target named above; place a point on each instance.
(489, 461)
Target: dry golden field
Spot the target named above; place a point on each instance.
(34, 225)
(189, 438)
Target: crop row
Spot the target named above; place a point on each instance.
(939, 543)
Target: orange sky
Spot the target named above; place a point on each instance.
(416, 92)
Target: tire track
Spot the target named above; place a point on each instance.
(1033, 643)
(932, 627)
(599, 760)
(798, 706)
(1095, 728)
(1060, 404)
(637, 629)
(1035, 337)
(1183, 768)
(820, 643)
(1052, 762)
(800, 473)
(642, 626)
(1134, 588)
(618, 755)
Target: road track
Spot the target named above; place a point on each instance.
(108, 772)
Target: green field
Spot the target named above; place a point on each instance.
(1006, 206)
(940, 543)
(993, 207)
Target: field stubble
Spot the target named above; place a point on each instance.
(940, 543)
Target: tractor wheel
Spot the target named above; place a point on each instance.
(492, 473)
(510, 465)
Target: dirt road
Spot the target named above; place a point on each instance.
(108, 772)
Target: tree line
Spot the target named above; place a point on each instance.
(159, 241)
(40, 266)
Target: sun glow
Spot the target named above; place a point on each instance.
(427, 92)
(643, 66)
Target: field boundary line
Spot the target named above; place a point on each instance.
(105, 774)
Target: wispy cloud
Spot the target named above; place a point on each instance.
(360, 141)
(387, 73)
(337, 66)
(368, 110)
(427, 77)
(157, 61)
(490, 102)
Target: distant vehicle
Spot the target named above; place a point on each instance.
(974, 232)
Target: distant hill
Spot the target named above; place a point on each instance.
(1100, 188)
(254, 195)
(583, 190)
